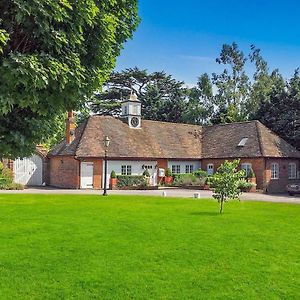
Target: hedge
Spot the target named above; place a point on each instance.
(131, 180)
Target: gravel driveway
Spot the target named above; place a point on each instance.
(170, 192)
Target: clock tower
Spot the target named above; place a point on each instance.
(131, 111)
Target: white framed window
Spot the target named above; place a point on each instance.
(274, 171)
(247, 167)
(126, 170)
(176, 169)
(189, 168)
(292, 171)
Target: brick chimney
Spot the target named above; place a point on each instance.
(70, 128)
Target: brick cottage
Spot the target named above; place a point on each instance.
(136, 145)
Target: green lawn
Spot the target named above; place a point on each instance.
(129, 247)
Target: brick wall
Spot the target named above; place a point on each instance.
(64, 172)
(279, 185)
(258, 166)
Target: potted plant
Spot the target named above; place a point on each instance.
(146, 174)
(252, 179)
(113, 179)
(168, 176)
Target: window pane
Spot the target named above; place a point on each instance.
(123, 170)
(274, 171)
(128, 170)
(292, 171)
(178, 169)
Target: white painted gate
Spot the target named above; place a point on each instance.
(86, 175)
(29, 170)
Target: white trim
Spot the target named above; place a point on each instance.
(274, 171)
(292, 170)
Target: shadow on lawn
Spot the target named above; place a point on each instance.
(205, 213)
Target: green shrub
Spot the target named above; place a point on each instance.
(251, 174)
(131, 181)
(188, 180)
(146, 173)
(200, 173)
(168, 173)
(113, 174)
(245, 186)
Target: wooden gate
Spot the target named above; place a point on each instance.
(29, 170)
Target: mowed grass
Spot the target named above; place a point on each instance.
(129, 247)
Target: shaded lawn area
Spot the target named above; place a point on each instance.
(130, 247)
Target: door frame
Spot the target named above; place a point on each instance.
(92, 176)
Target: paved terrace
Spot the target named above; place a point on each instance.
(169, 192)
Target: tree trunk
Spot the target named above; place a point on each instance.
(221, 208)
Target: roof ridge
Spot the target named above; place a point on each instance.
(227, 124)
(154, 121)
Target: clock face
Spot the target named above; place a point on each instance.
(135, 121)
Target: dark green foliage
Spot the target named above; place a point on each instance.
(188, 180)
(200, 173)
(6, 179)
(113, 174)
(168, 172)
(245, 186)
(146, 173)
(53, 55)
(162, 97)
(251, 174)
(131, 181)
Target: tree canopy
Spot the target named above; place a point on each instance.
(53, 56)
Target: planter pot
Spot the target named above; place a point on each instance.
(168, 179)
(252, 180)
(113, 183)
(206, 187)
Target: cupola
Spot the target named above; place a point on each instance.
(131, 111)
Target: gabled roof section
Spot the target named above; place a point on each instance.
(222, 141)
(274, 146)
(63, 149)
(153, 140)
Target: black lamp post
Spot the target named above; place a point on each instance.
(105, 144)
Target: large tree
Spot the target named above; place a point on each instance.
(53, 55)
(281, 111)
(163, 98)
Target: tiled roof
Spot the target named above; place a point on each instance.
(153, 140)
(174, 140)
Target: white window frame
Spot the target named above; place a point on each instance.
(247, 167)
(274, 171)
(126, 170)
(292, 170)
(189, 169)
(176, 169)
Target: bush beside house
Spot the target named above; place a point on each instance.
(6, 179)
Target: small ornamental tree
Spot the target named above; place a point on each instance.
(226, 182)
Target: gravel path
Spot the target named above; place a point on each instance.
(170, 192)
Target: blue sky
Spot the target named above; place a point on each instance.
(183, 38)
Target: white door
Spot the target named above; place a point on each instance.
(86, 175)
(210, 169)
(29, 170)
